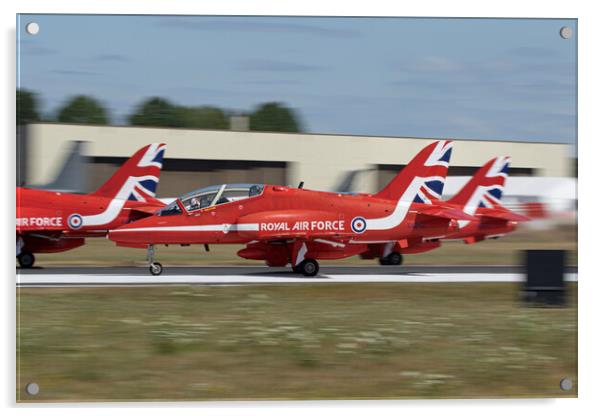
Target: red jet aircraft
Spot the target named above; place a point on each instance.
(283, 225)
(51, 222)
(480, 197)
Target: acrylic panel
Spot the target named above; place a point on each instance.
(283, 208)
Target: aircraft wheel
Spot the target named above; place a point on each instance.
(395, 259)
(156, 268)
(383, 261)
(309, 267)
(26, 259)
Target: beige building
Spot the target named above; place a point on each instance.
(196, 158)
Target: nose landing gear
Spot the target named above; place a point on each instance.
(154, 267)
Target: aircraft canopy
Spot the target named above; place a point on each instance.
(213, 195)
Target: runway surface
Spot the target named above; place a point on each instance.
(241, 275)
(260, 269)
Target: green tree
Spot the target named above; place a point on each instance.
(27, 111)
(202, 118)
(83, 109)
(157, 112)
(274, 117)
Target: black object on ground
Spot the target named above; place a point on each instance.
(545, 284)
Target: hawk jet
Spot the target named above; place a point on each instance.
(283, 225)
(52, 222)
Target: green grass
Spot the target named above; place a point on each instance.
(503, 251)
(339, 341)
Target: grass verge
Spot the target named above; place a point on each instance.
(339, 341)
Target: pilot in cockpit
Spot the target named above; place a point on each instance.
(254, 190)
(194, 203)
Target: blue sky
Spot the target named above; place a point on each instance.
(453, 78)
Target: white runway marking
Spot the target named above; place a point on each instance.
(120, 280)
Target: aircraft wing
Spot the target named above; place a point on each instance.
(146, 209)
(295, 249)
(149, 207)
(443, 211)
(500, 213)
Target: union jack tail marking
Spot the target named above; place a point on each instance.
(486, 187)
(429, 167)
(140, 174)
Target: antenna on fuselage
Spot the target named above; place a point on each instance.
(301, 185)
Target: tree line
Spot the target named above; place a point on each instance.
(159, 112)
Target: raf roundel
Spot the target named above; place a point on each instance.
(358, 225)
(75, 221)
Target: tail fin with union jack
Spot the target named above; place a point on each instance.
(485, 188)
(137, 178)
(423, 178)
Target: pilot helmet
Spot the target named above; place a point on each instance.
(254, 190)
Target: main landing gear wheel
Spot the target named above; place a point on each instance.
(308, 267)
(156, 268)
(393, 259)
(26, 260)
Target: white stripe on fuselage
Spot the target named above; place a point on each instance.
(405, 201)
(188, 228)
(400, 211)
